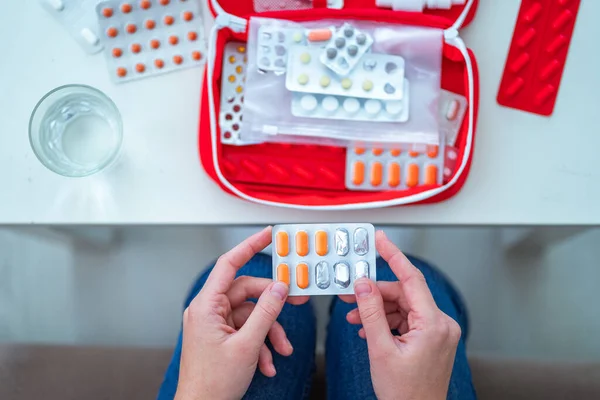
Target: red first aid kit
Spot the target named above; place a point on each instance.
(313, 176)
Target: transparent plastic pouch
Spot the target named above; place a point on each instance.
(340, 82)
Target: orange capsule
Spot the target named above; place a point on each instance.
(177, 59)
(196, 55)
(192, 36)
(283, 273)
(188, 16)
(173, 40)
(394, 175)
(359, 150)
(321, 246)
(395, 152)
(117, 52)
(168, 20)
(107, 12)
(126, 8)
(158, 63)
(431, 173)
(145, 4)
(302, 275)
(155, 43)
(358, 173)
(139, 67)
(112, 32)
(376, 173)
(150, 24)
(121, 72)
(319, 35)
(377, 152)
(432, 151)
(131, 28)
(412, 175)
(136, 48)
(282, 244)
(302, 243)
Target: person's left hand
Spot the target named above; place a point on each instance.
(224, 335)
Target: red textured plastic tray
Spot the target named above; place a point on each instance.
(537, 55)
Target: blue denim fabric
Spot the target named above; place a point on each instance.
(348, 373)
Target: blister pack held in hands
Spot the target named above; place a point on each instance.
(323, 259)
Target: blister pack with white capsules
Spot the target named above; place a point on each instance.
(323, 259)
(79, 18)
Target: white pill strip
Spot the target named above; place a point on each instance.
(79, 19)
(378, 76)
(453, 108)
(315, 105)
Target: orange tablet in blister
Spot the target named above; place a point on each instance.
(155, 43)
(377, 151)
(359, 150)
(136, 48)
(394, 175)
(412, 175)
(376, 173)
(358, 173)
(282, 243)
(164, 2)
(431, 173)
(302, 275)
(121, 72)
(188, 16)
(319, 35)
(145, 4)
(112, 32)
(283, 273)
(126, 8)
(413, 154)
(158, 63)
(302, 243)
(117, 52)
(173, 40)
(432, 151)
(168, 20)
(321, 245)
(177, 59)
(150, 24)
(107, 12)
(196, 55)
(192, 36)
(131, 28)
(139, 67)
(395, 152)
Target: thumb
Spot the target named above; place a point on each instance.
(372, 315)
(265, 314)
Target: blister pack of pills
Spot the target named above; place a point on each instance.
(404, 167)
(323, 259)
(233, 78)
(309, 105)
(79, 18)
(346, 49)
(151, 37)
(275, 42)
(287, 5)
(453, 108)
(379, 76)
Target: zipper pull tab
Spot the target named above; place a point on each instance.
(236, 24)
(450, 34)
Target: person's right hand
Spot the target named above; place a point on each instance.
(417, 364)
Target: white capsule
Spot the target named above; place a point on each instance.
(89, 36)
(330, 104)
(308, 102)
(372, 106)
(452, 110)
(393, 107)
(351, 105)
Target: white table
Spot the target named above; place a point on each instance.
(527, 170)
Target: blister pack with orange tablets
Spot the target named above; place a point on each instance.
(150, 37)
(323, 259)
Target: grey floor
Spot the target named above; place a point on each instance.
(128, 286)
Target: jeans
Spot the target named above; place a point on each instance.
(348, 372)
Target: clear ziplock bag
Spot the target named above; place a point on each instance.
(335, 82)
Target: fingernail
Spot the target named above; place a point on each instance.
(290, 344)
(362, 289)
(279, 290)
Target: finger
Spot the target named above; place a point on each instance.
(412, 283)
(353, 316)
(298, 300)
(223, 274)
(372, 315)
(265, 314)
(276, 334)
(265, 362)
(395, 320)
(246, 287)
(348, 298)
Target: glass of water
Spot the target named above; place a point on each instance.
(76, 130)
